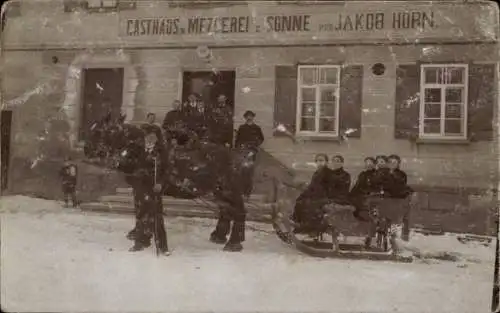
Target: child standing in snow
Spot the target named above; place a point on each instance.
(68, 175)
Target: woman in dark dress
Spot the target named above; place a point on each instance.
(308, 212)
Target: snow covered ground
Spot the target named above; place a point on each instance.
(56, 259)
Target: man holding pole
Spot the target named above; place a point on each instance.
(150, 181)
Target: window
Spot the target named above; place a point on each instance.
(443, 104)
(102, 4)
(97, 6)
(318, 100)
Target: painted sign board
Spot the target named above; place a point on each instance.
(357, 22)
(258, 23)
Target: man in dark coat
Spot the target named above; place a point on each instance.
(150, 179)
(249, 137)
(151, 127)
(340, 181)
(174, 122)
(228, 194)
(220, 122)
(194, 112)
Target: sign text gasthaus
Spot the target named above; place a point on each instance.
(359, 22)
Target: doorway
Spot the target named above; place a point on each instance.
(102, 93)
(5, 133)
(208, 85)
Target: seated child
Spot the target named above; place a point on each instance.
(397, 185)
(308, 206)
(380, 176)
(339, 182)
(363, 187)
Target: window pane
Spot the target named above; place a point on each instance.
(430, 75)
(328, 75)
(455, 75)
(307, 124)
(309, 109)
(453, 110)
(432, 126)
(109, 3)
(308, 75)
(309, 94)
(453, 127)
(454, 95)
(432, 110)
(328, 94)
(327, 109)
(94, 3)
(326, 124)
(432, 95)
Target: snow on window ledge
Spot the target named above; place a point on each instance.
(319, 137)
(443, 140)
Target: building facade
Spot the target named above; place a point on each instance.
(419, 79)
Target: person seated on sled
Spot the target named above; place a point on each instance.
(363, 187)
(381, 176)
(308, 211)
(397, 183)
(339, 182)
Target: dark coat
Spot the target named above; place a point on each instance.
(339, 184)
(381, 180)
(249, 135)
(143, 165)
(364, 184)
(172, 119)
(68, 174)
(308, 206)
(318, 187)
(220, 123)
(152, 128)
(175, 126)
(195, 117)
(397, 185)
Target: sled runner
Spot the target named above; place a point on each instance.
(339, 219)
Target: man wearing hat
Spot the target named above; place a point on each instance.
(220, 122)
(249, 137)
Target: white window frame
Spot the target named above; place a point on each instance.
(442, 86)
(102, 4)
(318, 86)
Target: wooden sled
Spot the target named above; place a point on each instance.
(342, 221)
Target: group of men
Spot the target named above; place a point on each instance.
(185, 121)
(213, 121)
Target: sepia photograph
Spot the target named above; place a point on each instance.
(249, 156)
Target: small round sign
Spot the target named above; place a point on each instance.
(378, 69)
(203, 52)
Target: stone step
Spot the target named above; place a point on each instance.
(127, 191)
(264, 208)
(121, 208)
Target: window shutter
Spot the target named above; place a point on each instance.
(351, 100)
(481, 99)
(407, 101)
(285, 98)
